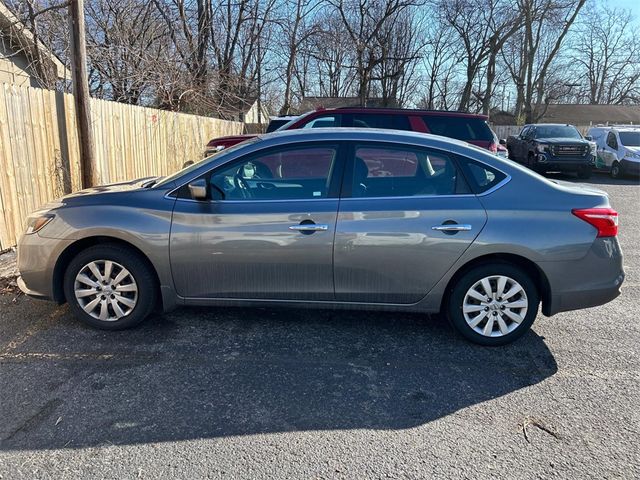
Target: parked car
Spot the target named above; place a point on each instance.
(618, 149)
(341, 218)
(547, 147)
(468, 127)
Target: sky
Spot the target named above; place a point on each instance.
(633, 5)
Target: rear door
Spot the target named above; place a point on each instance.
(405, 217)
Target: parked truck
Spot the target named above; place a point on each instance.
(547, 147)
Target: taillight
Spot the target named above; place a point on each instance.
(493, 148)
(605, 220)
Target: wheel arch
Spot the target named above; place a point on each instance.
(82, 244)
(537, 275)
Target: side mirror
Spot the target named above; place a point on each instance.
(588, 138)
(187, 163)
(198, 189)
(503, 141)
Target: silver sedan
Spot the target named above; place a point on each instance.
(340, 218)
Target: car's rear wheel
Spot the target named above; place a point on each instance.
(493, 304)
(616, 171)
(110, 287)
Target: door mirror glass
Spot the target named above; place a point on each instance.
(198, 189)
(588, 137)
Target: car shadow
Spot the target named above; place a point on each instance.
(204, 373)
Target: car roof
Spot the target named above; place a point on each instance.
(403, 111)
(362, 134)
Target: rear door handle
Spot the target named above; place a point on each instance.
(453, 227)
(309, 227)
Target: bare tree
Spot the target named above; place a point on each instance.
(607, 53)
(483, 26)
(530, 56)
(367, 23)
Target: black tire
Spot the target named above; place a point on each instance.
(585, 172)
(616, 170)
(456, 297)
(139, 270)
(531, 163)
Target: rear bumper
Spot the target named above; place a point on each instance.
(593, 280)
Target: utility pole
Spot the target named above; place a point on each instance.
(259, 83)
(81, 91)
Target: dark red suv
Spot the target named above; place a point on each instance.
(468, 127)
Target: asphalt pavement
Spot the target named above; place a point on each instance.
(274, 393)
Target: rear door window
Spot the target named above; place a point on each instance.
(395, 171)
(460, 128)
(323, 121)
(378, 120)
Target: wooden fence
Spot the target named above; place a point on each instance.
(39, 154)
(503, 131)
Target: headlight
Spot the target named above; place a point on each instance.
(37, 223)
(631, 154)
(542, 148)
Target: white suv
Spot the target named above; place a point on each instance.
(618, 149)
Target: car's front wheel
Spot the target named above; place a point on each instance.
(616, 171)
(110, 287)
(493, 304)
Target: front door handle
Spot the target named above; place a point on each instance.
(309, 227)
(452, 227)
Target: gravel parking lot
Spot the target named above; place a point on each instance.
(257, 393)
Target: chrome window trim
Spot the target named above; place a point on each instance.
(342, 199)
(497, 186)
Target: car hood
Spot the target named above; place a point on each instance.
(229, 138)
(564, 141)
(633, 149)
(97, 194)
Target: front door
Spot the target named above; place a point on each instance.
(407, 217)
(267, 230)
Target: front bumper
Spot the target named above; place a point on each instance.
(37, 257)
(565, 164)
(593, 280)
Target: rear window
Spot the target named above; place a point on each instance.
(460, 128)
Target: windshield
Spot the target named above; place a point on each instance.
(291, 122)
(557, 131)
(198, 164)
(630, 139)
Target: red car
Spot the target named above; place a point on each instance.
(471, 128)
